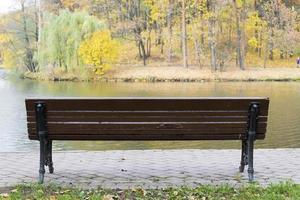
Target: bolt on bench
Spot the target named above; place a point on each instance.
(226, 118)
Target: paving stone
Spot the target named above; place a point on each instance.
(150, 168)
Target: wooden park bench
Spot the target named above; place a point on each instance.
(225, 118)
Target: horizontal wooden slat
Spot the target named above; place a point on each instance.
(148, 104)
(142, 128)
(142, 113)
(144, 125)
(154, 118)
(167, 132)
(145, 137)
(149, 132)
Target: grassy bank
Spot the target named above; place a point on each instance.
(280, 191)
(175, 74)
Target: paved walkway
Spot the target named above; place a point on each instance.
(150, 168)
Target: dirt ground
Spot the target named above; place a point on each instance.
(178, 73)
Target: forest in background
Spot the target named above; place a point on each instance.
(89, 37)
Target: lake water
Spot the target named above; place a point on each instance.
(283, 124)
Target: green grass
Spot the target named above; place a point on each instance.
(284, 191)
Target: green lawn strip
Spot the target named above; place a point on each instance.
(284, 191)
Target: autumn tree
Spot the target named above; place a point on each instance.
(22, 28)
(62, 36)
(99, 51)
(281, 23)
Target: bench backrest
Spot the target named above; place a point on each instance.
(147, 118)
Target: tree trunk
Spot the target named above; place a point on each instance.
(139, 48)
(260, 44)
(120, 10)
(28, 51)
(211, 5)
(143, 51)
(148, 45)
(36, 20)
(161, 43)
(271, 46)
(256, 37)
(184, 37)
(239, 37)
(170, 30)
(198, 52)
(107, 14)
(266, 54)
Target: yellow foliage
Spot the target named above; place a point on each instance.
(157, 10)
(4, 38)
(76, 4)
(252, 42)
(276, 53)
(8, 58)
(99, 51)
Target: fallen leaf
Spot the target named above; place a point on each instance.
(52, 198)
(64, 191)
(4, 195)
(14, 190)
(108, 197)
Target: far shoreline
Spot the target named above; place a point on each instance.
(178, 74)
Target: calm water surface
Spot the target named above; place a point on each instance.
(283, 127)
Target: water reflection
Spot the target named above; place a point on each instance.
(283, 127)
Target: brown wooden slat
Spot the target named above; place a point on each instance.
(155, 125)
(142, 125)
(172, 118)
(149, 104)
(144, 119)
(149, 132)
(140, 132)
(145, 113)
(146, 128)
(145, 137)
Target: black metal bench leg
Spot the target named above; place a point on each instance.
(253, 113)
(243, 156)
(40, 109)
(42, 160)
(49, 157)
(250, 156)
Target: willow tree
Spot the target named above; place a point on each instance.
(62, 36)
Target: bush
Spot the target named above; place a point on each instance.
(99, 51)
